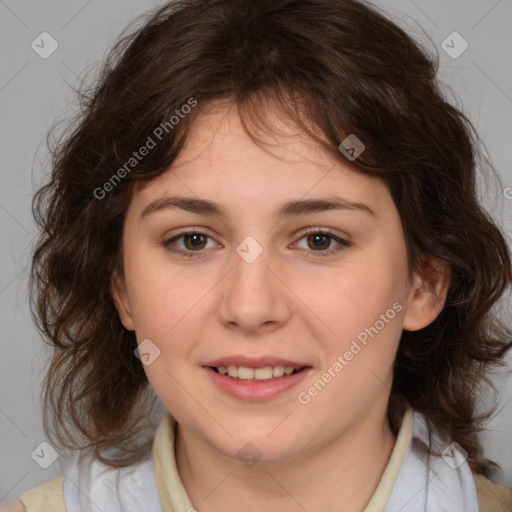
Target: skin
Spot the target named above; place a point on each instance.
(291, 302)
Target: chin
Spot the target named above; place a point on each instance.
(260, 446)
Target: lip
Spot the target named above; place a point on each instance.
(256, 362)
(256, 391)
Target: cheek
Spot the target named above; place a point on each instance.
(364, 308)
(366, 318)
(161, 296)
(350, 299)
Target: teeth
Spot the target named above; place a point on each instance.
(277, 371)
(246, 373)
(263, 373)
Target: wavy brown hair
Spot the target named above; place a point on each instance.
(333, 67)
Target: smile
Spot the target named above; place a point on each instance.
(257, 374)
(256, 384)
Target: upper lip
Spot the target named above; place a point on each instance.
(257, 362)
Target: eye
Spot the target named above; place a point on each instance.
(317, 239)
(193, 242)
(320, 240)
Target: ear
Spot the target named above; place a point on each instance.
(120, 298)
(428, 294)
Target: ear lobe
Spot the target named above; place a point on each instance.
(120, 298)
(428, 295)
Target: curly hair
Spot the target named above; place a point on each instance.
(334, 68)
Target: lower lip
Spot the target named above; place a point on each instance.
(256, 390)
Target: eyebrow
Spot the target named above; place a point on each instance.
(290, 209)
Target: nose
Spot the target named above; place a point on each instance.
(254, 298)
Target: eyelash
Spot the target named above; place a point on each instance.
(343, 244)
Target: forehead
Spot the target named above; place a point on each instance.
(221, 162)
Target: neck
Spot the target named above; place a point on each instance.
(346, 469)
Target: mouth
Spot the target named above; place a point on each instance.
(256, 380)
(258, 374)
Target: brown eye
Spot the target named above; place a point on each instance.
(319, 241)
(191, 242)
(194, 241)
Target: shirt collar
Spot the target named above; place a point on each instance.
(173, 495)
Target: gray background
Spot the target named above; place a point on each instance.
(35, 91)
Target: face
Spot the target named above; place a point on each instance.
(300, 265)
